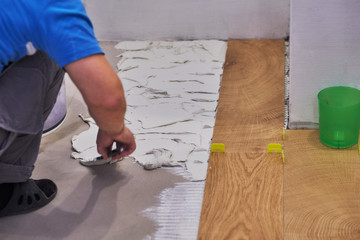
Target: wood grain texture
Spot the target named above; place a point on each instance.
(243, 197)
(248, 193)
(251, 102)
(322, 189)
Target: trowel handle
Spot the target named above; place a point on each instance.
(112, 153)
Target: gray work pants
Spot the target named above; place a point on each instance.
(28, 91)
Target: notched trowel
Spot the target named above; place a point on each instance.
(100, 160)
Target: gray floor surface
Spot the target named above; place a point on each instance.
(103, 202)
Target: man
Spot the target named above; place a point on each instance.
(38, 39)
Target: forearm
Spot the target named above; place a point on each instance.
(109, 119)
(102, 92)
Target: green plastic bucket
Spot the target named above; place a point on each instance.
(339, 116)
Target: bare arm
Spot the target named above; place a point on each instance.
(103, 94)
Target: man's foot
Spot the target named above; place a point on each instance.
(25, 197)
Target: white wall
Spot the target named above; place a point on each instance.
(188, 19)
(324, 52)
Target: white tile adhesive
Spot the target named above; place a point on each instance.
(172, 90)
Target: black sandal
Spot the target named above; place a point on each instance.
(29, 196)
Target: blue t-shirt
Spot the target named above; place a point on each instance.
(61, 28)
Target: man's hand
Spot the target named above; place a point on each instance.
(123, 140)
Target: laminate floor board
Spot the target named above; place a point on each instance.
(322, 197)
(251, 102)
(243, 197)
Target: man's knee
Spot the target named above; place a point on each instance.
(29, 90)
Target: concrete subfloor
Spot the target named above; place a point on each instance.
(103, 202)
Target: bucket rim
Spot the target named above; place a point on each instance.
(323, 91)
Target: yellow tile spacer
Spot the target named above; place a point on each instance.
(274, 147)
(217, 147)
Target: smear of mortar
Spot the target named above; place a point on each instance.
(172, 90)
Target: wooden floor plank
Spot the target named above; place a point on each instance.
(243, 197)
(322, 189)
(251, 102)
